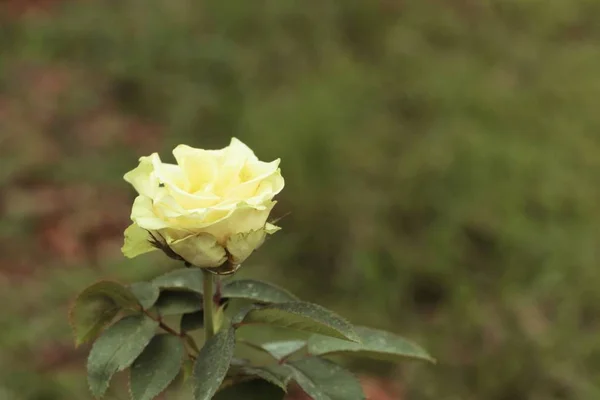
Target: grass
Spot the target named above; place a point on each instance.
(441, 161)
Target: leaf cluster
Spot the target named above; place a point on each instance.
(133, 328)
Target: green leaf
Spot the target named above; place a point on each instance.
(96, 306)
(90, 314)
(241, 313)
(304, 317)
(279, 375)
(257, 291)
(116, 349)
(324, 380)
(156, 367)
(252, 390)
(189, 279)
(192, 321)
(212, 364)
(276, 350)
(146, 293)
(119, 293)
(175, 302)
(374, 344)
(284, 348)
(182, 376)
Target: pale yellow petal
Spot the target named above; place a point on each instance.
(136, 241)
(267, 189)
(142, 178)
(199, 166)
(201, 250)
(236, 156)
(237, 150)
(142, 213)
(243, 219)
(177, 185)
(190, 201)
(251, 177)
(166, 207)
(170, 174)
(241, 245)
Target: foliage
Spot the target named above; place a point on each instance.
(157, 358)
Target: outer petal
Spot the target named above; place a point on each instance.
(200, 250)
(237, 150)
(241, 245)
(244, 218)
(142, 178)
(251, 176)
(267, 189)
(142, 213)
(136, 241)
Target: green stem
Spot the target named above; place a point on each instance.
(209, 306)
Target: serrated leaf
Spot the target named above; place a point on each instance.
(374, 343)
(284, 348)
(192, 321)
(278, 375)
(90, 314)
(182, 376)
(156, 367)
(189, 279)
(176, 384)
(116, 349)
(176, 302)
(257, 291)
(252, 390)
(146, 293)
(302, 316)
(241, 313)
(276, 350)
(114, 290)
(212, 364)
(325, 380)
(96, 306)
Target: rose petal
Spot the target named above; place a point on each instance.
(195, 200)
(267, 189)
(136, 241)
(241, 245)
(170, 174)
(200, 250)
(237, 150)
(251, 176)
(199, 166)
(142, 178)
(142, 213)
(243, 218)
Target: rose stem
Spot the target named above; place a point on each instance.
(209, 323)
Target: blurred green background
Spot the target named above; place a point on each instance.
(441, 159)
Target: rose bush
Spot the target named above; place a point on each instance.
(209, 208)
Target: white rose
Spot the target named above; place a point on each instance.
(211, 207)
